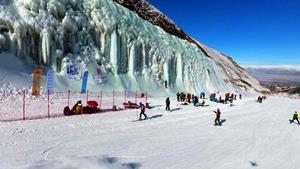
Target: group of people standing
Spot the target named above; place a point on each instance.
(191, 98)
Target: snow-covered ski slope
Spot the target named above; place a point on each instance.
(101, 34)
(253, 136)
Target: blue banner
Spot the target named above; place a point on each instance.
(50, 81)
(84, 81)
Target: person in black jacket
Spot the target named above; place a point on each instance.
(143, 108)
(168, 104)
(178, 96)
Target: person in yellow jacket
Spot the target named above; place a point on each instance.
(295, 117)
(77, 108)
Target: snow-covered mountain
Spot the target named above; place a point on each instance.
(127, 42)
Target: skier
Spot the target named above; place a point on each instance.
(168, 104)
(142, 106)
(218, 115)
(295, 117)
(240, 96)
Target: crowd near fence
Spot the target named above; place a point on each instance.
(24, 106)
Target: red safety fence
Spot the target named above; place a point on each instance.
(23, 106)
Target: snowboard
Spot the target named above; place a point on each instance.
(293, 122)
(141, 120)
(149, 118)
(222, 121)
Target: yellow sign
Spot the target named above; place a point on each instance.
(36, 81)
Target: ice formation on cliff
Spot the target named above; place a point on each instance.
(101, 34)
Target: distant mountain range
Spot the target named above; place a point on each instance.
(276, 75)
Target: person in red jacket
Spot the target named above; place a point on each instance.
(189, 96)
(218, 115)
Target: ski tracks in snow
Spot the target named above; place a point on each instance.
(46, 153)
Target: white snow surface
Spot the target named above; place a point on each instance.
(253, 136)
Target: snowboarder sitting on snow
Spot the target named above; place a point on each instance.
(67, 111)
(202, 103)
(142, 106)
(129, 104)
(73, 110)
(77, 108)
(221, 100)
(196, 100)
(295, 117)
(168, 104)
(218, 115)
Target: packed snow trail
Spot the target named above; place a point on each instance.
(254, 135)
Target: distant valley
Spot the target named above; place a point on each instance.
(277, 79)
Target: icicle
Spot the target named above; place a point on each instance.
(167, 71)
(46, 42)
(102, 43)
(132, 59)
(19, 47)
(179, 70)
(13, 43)
(115, 51)
(144, 54)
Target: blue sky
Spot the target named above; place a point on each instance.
(253, 32)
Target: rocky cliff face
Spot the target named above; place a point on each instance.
(119, 39)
